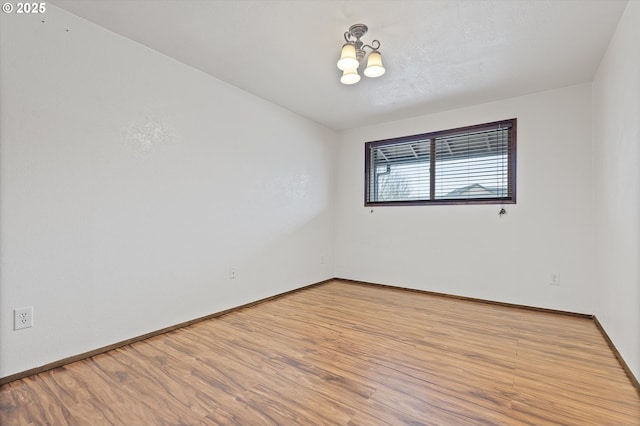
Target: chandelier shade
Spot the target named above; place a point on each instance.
(348, 60)
(350, 77)
(374, 65)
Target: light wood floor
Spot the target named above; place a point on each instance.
(344, 354)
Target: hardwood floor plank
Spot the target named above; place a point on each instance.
(344, 354)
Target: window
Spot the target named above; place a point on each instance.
(469, 165)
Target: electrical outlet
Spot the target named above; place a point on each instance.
(232, 273)
(322, 260)
(23, 318)
(554, 278)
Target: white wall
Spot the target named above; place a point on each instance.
(616, 144)
(468, 249)
(131, 184)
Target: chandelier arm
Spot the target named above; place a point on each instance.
(375, 43)
(347, 36)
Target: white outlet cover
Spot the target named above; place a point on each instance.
(23, 318)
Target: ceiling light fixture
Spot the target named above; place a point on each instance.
(353, 52)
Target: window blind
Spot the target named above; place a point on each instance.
(474, 164)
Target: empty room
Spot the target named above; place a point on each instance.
(301, 212)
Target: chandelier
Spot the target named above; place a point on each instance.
(353, 52)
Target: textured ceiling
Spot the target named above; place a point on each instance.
(439, 54)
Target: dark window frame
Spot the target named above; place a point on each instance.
(510, 198)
